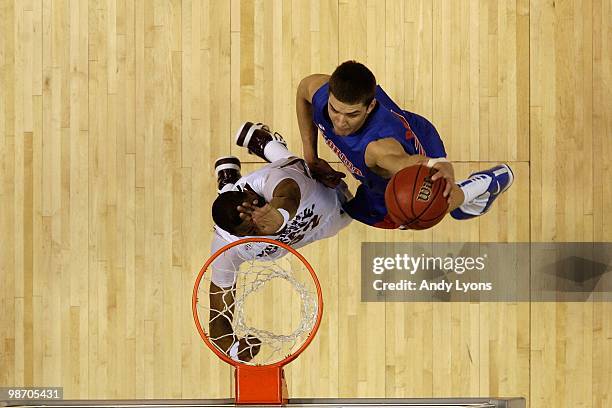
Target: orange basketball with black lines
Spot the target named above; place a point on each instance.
(414, 200)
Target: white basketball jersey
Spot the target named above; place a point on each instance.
(318, 216)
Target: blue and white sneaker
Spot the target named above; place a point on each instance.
(501, 179)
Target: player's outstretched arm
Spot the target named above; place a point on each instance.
(303, 106)
(387, 156)
(321, 170)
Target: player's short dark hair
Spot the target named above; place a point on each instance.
(224, 211)
(353, 83)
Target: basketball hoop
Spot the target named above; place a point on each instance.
(261, 380)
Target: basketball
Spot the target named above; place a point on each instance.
(414, 200)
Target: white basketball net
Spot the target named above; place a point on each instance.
(275, 306)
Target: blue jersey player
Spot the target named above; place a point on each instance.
(374, 138)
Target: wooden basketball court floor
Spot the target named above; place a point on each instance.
(112, 113)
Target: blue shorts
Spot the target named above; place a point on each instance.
(369, 209)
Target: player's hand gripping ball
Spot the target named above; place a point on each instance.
(414, 200)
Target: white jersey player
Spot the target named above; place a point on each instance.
(280, 201)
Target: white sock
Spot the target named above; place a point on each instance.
(233, 352)
(474, 187)
(276, 151)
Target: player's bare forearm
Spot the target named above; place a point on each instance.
(394, 163)
(220, 326)
(387, 156)
(303, 106)
(308, 130)
(388, 163)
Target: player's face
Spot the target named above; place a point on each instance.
(247, 229)
(347, 118)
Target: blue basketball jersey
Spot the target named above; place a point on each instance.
(415, 134)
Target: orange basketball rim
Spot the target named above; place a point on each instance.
(258, 384)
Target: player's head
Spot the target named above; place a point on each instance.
(351, 97)
(226, 215)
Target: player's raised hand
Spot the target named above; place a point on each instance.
(267, 218)
(446, 170)
(324, 173)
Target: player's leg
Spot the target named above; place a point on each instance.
(369, 208)
(221, 295)
(262, 142)
(227, 169)
(474, 196)
(222, 301)
(481, 189)
(221, 316)
(220, 326)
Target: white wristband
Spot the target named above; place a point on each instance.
(431, 162)
(285, 215)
